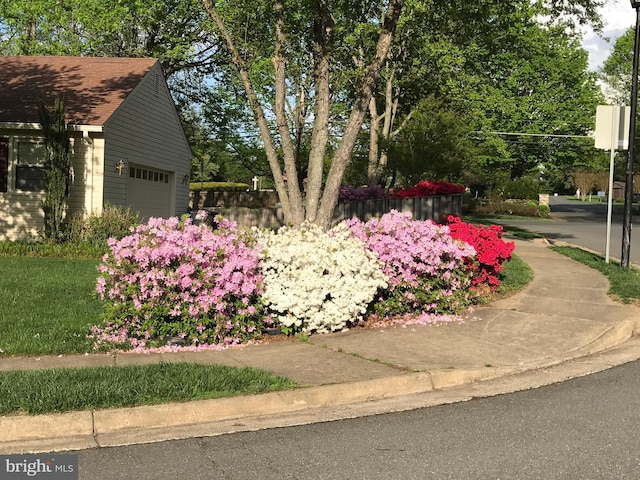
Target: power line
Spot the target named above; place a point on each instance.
(537, 134)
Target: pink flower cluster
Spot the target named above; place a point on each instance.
(425, 265)
(491, 250)
(171, 278)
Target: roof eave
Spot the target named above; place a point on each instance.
(37, 126)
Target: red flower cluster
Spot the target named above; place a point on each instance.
(491, 249)
(427, 188)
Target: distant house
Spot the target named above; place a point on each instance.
(128, 145)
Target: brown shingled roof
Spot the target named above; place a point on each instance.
(92, 87)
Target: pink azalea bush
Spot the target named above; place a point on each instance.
(171, 278)
(425, 265)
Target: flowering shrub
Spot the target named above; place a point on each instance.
(426, 188)
(171, 278)
(491, 250)
(351, 194)
(317, 281)
(424, 264)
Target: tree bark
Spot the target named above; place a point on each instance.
(365, 91)
(320, 204)
(374, 142)
(258, 113)
(288, 148)
(322, 46)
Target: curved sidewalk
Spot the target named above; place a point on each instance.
(563, 314)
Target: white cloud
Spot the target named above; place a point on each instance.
(618, 16)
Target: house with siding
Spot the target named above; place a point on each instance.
(127, 142)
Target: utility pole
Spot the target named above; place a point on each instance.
(628, 189)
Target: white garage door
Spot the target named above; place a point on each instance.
(149, 191)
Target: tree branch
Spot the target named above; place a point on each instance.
(365, 91)
(288, 149)
(322, 51)
(256, 108)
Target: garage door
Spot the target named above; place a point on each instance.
(149, 191)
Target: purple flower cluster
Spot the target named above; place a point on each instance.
(357, 194)
(425, 265)
(171, 278)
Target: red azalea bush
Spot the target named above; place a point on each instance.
(491, 250)
(427, 188)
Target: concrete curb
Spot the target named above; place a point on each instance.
(152, 423)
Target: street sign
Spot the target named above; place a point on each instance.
(612, 123)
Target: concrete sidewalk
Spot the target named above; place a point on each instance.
(563, 314)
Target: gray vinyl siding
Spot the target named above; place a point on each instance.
(146, 130)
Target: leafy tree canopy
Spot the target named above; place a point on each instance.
(616, 69)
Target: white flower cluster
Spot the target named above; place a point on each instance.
(317, 281)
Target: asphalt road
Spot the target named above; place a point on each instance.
(586, 428)
(584, 225)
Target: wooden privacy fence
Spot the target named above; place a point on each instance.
(436, 207)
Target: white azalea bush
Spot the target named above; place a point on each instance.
(317, 281)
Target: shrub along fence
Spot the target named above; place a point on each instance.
(436, 207)
(216, 198)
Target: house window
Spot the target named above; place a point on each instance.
(4, 164)
(148, 174)
(30, 172)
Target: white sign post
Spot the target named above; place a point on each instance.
(612, 133)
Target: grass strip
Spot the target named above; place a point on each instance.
(54, 250)
(515, 276)
(48, 305)
(623, 283)
(63, 390)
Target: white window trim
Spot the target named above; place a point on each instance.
(14, 141)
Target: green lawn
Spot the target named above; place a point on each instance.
(516, 275)
(61, 390)
(47, 305)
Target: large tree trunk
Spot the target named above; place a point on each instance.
(323, 40)
(320, 204)
(258, 113)
(364, 93)
(288, 148)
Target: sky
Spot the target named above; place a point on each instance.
(618, 16)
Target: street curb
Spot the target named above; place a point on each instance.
(149, 423)
(76, 430)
